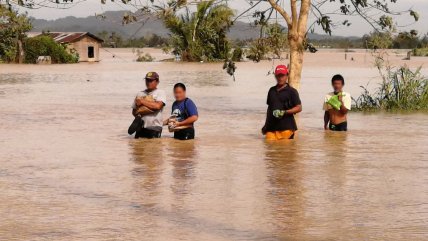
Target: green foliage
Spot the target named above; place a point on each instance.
(230, 68)
(45, 46)
(325, 23)
(277, 39)
(421, 52)
(401, 89)
(274, 43)
(12, 30)
(116, 40)
(407, 40)
(237, 54)
(402, 40)
(378, 40)
(141, 57)
(200, 35)
(257, 50)
(338, 42)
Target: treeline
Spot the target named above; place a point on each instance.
(115, 40)
(404, 40)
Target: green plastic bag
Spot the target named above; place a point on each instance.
(335, 102)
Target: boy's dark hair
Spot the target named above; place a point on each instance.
(338, 77)
(180, 85)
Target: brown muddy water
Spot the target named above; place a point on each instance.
(69, 171)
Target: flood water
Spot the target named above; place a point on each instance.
(69, 171)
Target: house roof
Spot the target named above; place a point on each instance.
(66, 37)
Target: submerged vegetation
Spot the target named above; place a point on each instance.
(143, 57)
(16, 47)
(44, 45)
(421, 52)
(401, 89)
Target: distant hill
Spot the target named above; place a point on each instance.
(152, 25)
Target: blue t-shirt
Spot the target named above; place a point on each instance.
(184, 109)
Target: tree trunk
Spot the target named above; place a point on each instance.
(21, 53)
(296, 60)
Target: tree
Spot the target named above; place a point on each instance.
(45, 45)
(298, 15)
(274, 43)
(13, 27)
(378, 40)
(200, 35)
(407, 40)
(115, 40)
(377, 13)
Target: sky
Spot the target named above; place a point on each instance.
(358, 28)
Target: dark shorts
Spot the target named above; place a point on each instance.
(185, 134)
(339, 127)
(147, 133)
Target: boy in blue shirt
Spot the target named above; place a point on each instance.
(184, 114)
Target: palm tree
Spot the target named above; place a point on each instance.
(200, 35)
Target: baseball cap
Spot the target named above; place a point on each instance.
(152, 76)
(281, 69)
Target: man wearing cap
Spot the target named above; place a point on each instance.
(152, 121)
(283, 103)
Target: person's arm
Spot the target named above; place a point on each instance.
(296, 103)
(165, 122)
(192, 119)
(192, 112)
(264, 129)
(343, 109)
(134, 107)
(296, 109)
(153, 105)
(326, 120)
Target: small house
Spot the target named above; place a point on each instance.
(85, 44)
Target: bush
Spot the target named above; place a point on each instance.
(421, 52)
(237, 54)
(272, 45)
(257, 51)
(45, 46)
(144, 57)
(401, 89)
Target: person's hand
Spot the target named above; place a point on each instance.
(165, 122)
(138, 101)
(177, 123)
(278, 113)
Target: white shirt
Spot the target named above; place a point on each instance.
(153, 121)
(346, 99)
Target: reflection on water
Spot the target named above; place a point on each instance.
(70, 172)
(286, 192)
(149, 165)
